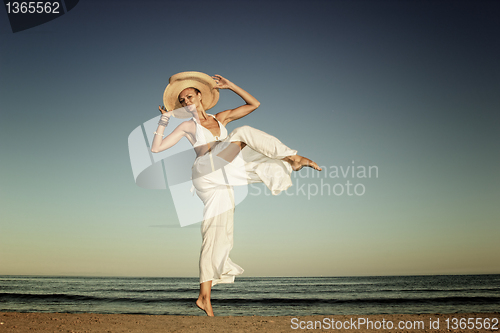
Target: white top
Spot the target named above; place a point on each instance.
(204, 136)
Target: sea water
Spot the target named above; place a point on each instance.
(265, 296)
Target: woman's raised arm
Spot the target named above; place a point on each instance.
(229, 115)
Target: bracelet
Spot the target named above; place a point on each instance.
(159, 134)
(164, 122)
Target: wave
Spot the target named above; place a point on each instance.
(360, 301)
(5, 297)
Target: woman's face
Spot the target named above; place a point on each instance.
(189, 96)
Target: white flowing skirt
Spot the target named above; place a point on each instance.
(213, 178)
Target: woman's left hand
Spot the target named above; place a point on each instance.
(222, 83)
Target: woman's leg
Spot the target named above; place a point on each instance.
(265, 144)
(217, 242)
(203, 301)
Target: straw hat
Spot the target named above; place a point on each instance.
(178, 82)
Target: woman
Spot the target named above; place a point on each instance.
(245, 156)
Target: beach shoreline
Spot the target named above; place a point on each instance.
(90, 322)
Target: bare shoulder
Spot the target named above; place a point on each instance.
(187, 126)
(223, 117)
(187, 129)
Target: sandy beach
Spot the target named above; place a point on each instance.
(88, 322)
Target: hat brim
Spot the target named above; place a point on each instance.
(178, 82)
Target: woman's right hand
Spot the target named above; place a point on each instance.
(163, 110)
(165, 113)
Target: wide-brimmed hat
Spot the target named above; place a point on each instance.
(201, 81)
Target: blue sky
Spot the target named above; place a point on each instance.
(410, 87)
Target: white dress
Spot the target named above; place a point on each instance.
(213, 178)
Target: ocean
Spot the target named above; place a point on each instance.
(265, 296)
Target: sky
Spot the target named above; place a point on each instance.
(406, 89)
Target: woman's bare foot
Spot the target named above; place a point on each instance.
(205, 305)
(298, 162)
